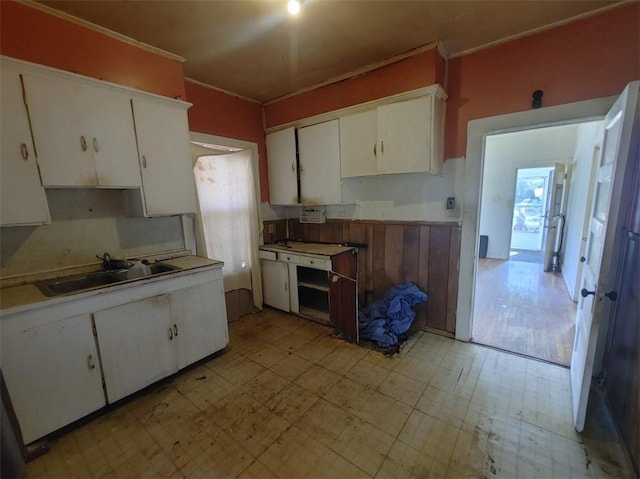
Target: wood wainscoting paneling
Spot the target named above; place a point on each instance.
(427, 254)
(274, 230)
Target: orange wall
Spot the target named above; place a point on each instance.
(589, 58)
(221, 114)
(420, 70)
(35, 36)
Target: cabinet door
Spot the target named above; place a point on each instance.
(319, 147)
(52, 375)
(275, 284)
(22, 197)
(60, 110)
(404, 134)
(358, 144)
(199, 321)
(165, 158)
(136, 345)
(282, 167)
(113, 140)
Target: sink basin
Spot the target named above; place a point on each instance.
(84, 282)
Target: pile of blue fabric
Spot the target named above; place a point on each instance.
(387, 318)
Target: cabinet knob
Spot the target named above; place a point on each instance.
(95, 145)
(90, 362)
(293, 167)
(375, 152)
(170, 334)
(24, 151)
(175, 330)
(144, 161)
(83, 143)
(382, 147)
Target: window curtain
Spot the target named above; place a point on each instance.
(228, 229)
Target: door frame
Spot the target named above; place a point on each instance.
(477, 130)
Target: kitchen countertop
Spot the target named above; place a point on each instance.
(308, 248)
(22, 295)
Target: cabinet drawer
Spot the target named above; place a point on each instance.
(288, 257)
(271, 255)
(317, 263)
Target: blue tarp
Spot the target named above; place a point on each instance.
(383, 320)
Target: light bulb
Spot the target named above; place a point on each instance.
(294, 7)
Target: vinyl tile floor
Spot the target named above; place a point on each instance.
(288, 400)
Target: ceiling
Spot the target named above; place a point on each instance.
(253, 48)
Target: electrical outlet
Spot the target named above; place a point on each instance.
(451, 203)
(270, 228)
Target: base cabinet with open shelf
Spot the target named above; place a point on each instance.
(318, 282)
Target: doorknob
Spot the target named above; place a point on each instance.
(582, 259)
(612, 295)
(586, 293)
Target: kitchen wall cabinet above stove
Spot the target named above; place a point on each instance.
(399, 137)
(304, 165)
(22, 196)
(84, 134)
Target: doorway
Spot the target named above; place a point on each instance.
(518, 306)
(529, 213)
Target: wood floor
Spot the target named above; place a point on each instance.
(522, 309)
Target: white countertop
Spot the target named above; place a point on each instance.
(22, 295)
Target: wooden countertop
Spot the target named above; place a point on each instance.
(23, 295)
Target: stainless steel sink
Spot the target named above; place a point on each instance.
(99, 279)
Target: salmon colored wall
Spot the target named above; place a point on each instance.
(589, 58)
(408, 74)
(222, 114)
(33, 35)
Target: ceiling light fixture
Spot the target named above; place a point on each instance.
(294, 7)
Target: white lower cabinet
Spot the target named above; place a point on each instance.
(52, 357)
(199, 321)
(52, 373)
(275, 284)
(136, 345)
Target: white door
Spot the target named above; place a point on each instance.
(137, 345)
(199, 321)
(22, 197)
(552, 217)
(53, 375)
(275, 284)
(282, 167)
(604, 220)
(359, 144)
(319, 147)
(165, 157)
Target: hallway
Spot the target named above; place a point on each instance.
(521, 309)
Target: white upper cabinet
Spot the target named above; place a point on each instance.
(319, 147)
(162, 129)
(359, 144)
(400, 137)
(22, 197)
(282, 167)
(304, 165)
(83, 133)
